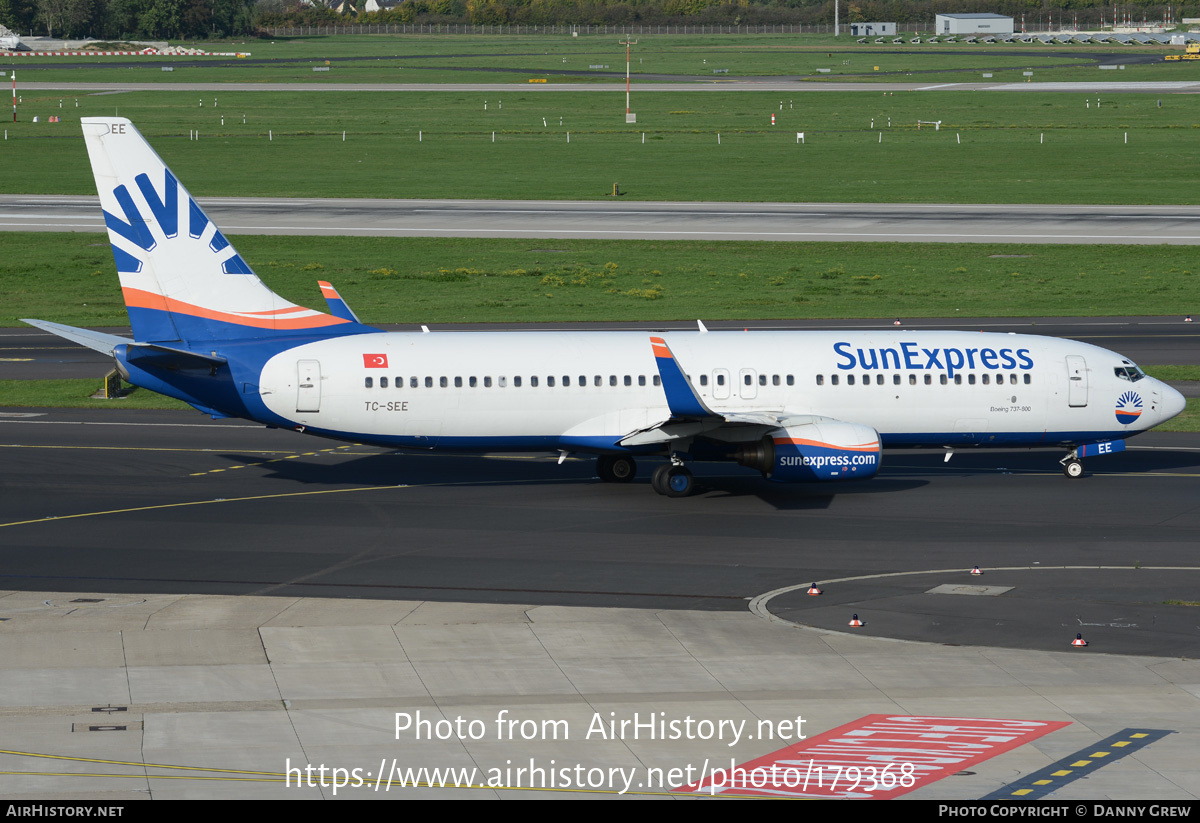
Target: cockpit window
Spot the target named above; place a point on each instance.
(1130, 373)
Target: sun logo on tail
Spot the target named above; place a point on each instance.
(1129, 408)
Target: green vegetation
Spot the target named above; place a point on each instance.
(1188, 421)
(499, 58)
(439, 280)
(1173, 372)
(77, 394)
(426, 145)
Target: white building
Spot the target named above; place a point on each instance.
(872, 29)
(996, 24)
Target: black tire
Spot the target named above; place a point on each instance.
(615, 468)
(1073, 469)
(677, 482)
(658, 480)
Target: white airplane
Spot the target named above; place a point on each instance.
(798, 406)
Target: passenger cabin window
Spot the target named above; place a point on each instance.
(720, 380)
(791, 380)
(849, 380)
(383, 382)
(703, 380)
(516, 382)
(641, 379)
(629, 380)
(502, 381)
(833, 379)
(458, 382)
(550, 381)
(444, 382)
(533, 381)
(412, 382)
(487, 382)
(820, 380)
(657, 380)
(369, 382)
(429, 382)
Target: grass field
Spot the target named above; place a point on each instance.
(423, 145)
(505, 58)
(70, 278)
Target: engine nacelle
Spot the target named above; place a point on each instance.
(822, 450)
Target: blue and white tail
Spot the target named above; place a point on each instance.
(182, 280)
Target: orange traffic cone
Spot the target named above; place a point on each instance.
(813, 589)
(854, 621)
(1078, 641)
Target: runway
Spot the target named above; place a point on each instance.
(898, 222)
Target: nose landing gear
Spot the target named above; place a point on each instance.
(1072, 466)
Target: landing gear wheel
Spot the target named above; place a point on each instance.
(678, 482)
(658, 480)
(614, 468)
(1073, 468)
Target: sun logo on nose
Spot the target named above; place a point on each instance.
(1129, 408)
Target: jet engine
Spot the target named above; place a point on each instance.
(821, 450)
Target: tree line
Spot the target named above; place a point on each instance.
(187, 19)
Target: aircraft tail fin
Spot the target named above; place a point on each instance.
(182, 279)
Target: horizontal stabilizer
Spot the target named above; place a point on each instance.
(95, 340)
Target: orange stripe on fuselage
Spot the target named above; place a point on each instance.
(796, 441)
(660, 348)
(136, 298)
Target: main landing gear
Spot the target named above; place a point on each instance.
(615, 468)
(672, 479)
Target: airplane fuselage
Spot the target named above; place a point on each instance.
(586, 390)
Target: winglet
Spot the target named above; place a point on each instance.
(681, 397)
(337, 306)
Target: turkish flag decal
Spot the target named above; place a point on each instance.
(375, 361)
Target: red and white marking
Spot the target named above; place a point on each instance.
(879, 756)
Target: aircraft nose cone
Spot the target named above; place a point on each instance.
(1173, 402)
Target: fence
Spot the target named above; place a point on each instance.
(468, 28)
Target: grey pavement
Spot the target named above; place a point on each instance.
(213, 696)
